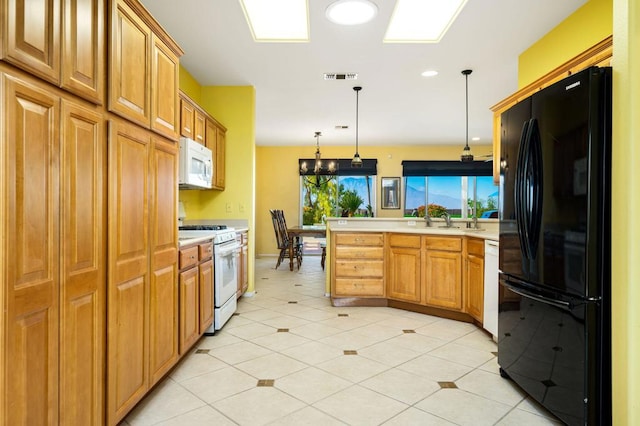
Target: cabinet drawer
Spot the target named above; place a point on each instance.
(359, 287)
(188, 257)
(475, 246)
(444, 243)
(404, 240)
(359, 239)
(205, 250)
(357, 268)
(350, 252)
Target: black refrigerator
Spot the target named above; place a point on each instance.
(555, 269)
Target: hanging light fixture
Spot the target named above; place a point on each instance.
(317, 168)
(467, 155)
(357, 161)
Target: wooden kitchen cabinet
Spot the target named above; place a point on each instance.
(474, 278)
(443, 272)
(404, 260)
(143, 70)
(243, 263)
(60, 41)
(196, 293)
(196, 124)
(187, 117)
(142, 264)
(54, 289)
(598, 55)
(358, 265)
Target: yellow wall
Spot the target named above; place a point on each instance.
(189, 85)
(587, 26)
(278, 183)
(625, 252)
(233, 107)
(590, 24)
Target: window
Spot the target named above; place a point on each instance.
(451, 187)
(347, 191)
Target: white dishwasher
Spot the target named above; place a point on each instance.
(490, 319)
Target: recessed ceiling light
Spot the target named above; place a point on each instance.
(277, 20)
(430, 73)
(351, 12)
(422, 21)
(475, 139)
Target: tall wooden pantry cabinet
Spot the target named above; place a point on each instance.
(60, 174)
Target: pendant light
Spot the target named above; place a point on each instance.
(357, 161)
(467, 155)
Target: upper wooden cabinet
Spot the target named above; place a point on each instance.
(143, 69)
(61, 41)
(196, 124)
(598, 55)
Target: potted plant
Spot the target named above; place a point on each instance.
(350, 201)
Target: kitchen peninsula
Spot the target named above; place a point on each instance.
(403, 263)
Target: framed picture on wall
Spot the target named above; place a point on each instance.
(390, 193)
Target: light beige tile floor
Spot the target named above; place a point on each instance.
(392, 378)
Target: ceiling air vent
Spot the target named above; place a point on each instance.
(343, 76)
(341, 127)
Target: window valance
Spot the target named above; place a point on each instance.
(447, 168)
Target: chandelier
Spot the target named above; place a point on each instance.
(318, 170)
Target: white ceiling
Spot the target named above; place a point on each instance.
(397, 105)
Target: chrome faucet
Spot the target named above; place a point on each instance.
(427, 219)
(447, 219)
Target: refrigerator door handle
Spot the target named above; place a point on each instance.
(519, 190)
(553, 302)
(535, 182)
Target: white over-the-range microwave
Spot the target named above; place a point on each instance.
(196, 165)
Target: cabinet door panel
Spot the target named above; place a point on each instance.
(199, 127)
(83, 48)
(205, 282)
(129, 66)
(83, 242)
(475, 287)
(164, 81)
(163, 322)
(189, 313)
(163, 201)
(29, 231)
(404, 278)
(220, 170)
(187, 117)
(128, 267)
(33, 36)
(443, 279)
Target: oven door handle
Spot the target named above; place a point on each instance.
(223, 251)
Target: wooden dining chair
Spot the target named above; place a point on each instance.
(282, 238)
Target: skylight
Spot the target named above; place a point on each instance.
(277, 20)
(422, 21)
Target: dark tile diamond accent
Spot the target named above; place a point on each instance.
(408, 331)
(202, 351)
(265, 278)
(343, 315)
(235, 314)
(447, 385)
(350, 352)
(297, 285)
(548, 383)
(283, 330)
(292, 302)
(266, 383)
(495, 353)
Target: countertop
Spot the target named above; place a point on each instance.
(488, 231)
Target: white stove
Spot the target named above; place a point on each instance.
(226, 251)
